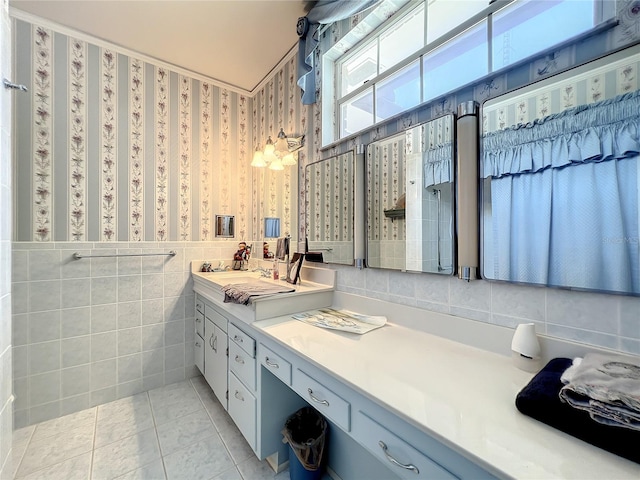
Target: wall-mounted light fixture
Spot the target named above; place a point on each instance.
(279, 154)
(467, 190)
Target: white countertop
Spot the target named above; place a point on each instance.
(461, 395)
(313, 291)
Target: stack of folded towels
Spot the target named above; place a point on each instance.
(606, 387)
(595, 398)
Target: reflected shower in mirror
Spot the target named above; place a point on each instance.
(329, 207)
(410, 198)
(560, 176)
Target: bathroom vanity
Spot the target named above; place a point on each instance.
(421, 395)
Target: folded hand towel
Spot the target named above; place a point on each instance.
(242, 292)
(608, 387)
(569, 372)
(540, 400)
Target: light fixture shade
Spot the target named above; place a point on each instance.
(288, 159)
(269, 158)
(269, 148)
(276, 164)
(281, 146)
(258, 159)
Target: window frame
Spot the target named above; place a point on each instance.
(602, 9)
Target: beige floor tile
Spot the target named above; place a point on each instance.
(200, 461)
(54, 427)
(126, 455)
(184, 431)
(152, 471)
(51, 450)
(76, 468)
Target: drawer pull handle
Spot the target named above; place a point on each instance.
(198, 320)
(239, 359)
(198, 344)
(239, 396)
(316, 399)
(270, 363)
(408, 466)
(212, 342)
(237, 338)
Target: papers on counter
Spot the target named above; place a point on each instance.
(341, 320)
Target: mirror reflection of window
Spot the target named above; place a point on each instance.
(271, 227)
(225, 226)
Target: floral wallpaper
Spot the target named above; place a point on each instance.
(610, 80)
(275, 193)
(42, 131)
(114, 148)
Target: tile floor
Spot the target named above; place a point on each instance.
(179, 431)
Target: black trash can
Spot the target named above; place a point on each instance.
(305, 431)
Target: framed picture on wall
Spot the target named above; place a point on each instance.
(293, 269)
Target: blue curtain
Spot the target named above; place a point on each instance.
(437, 165)
(324, 12)
(564, 198)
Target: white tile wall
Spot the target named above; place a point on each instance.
(6, 387)
(90, 331)
(610, 321)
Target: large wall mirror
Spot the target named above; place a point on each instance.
(560, 180)
(410, 199)
(329, 203)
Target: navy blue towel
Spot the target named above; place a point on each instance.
(540, 400)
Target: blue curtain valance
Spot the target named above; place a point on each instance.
(437, 165)
(324, 12)
(589, 133)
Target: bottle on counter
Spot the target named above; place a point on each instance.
(276, 271)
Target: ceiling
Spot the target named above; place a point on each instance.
(237, 42)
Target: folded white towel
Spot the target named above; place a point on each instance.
(243, 292)
(569, 372)
(608, 387)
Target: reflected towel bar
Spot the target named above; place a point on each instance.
(78, 256)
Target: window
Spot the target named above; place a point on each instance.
(522, 29)
(439, 46)
(398, 92)
(457, 62)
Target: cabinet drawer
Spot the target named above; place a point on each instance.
(198, 352)
(322, 399)
(200, 323)
(275, 364)
(398, 455)
(242, 408)
(199, 305)
(245, 342)
(215, 317)
(243, 365)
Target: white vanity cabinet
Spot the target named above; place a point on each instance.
(214, 347)
(199, 344)
(407, 452)
(242, 382)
